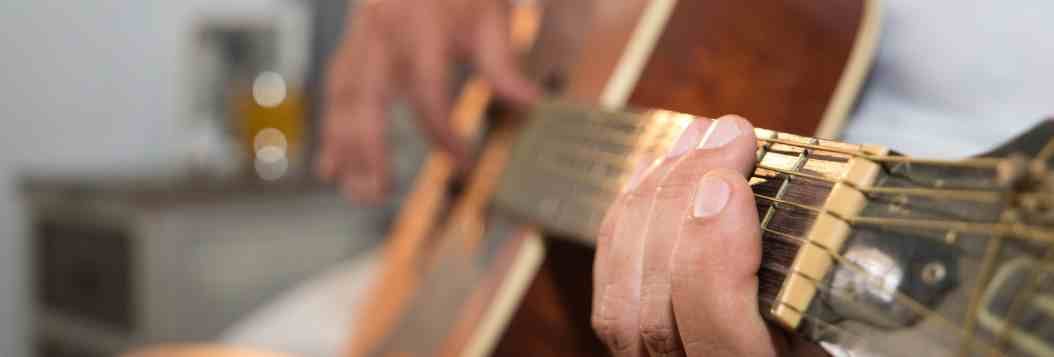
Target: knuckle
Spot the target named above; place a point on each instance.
(612, 328)
(660, 338)
(610, 331)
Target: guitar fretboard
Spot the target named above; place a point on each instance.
(571, 162)
(888, 242)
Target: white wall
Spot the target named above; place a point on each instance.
(84, 85)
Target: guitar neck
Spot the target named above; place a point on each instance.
(572, 161)
(877, 238)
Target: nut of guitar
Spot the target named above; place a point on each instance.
(828, 233)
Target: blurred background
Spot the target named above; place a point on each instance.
(155, 160)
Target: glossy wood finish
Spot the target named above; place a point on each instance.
(775, 62)
(553, 319)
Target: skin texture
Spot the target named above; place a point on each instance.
(406, 48)
(671, 281)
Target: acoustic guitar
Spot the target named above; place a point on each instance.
(482, 279)
(470, 274)
(865, 250)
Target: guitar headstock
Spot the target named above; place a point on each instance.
(947, 257)
(1029, 171)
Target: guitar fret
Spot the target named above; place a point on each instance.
(603, 184)
(588, 152)
(571, 163)
(802, 158)
(616, 142)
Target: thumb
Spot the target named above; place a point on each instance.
(714, 285)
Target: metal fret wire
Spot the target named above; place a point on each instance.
(998, 230)
(873, 279)
(802, 158)
(992, 251)
(998, 233)
(898, 296)
(979, 162)
(1014, 230)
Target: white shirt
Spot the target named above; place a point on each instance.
(953, 77)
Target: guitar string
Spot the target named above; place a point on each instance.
(983, 196)
(977, 162)
(992, 251)
(873, 279)
(986, 196)
(1026, 295)
(1024, 231)
(990, 196)
(1016, 230)
(603, 121)
(998, 232)
(987, 266)
(971, 317)
(994, 248)
(1027, 232)
(856, 338)
(902, 299)
(972, 313)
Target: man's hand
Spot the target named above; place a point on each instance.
(678, 253)
(407, 47)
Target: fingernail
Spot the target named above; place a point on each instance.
(711, 197)
(720, 133)
(689, 138)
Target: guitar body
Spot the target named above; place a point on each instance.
(479, 282)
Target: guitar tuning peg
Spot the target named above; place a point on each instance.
(1013, 170)
(1038, 169)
